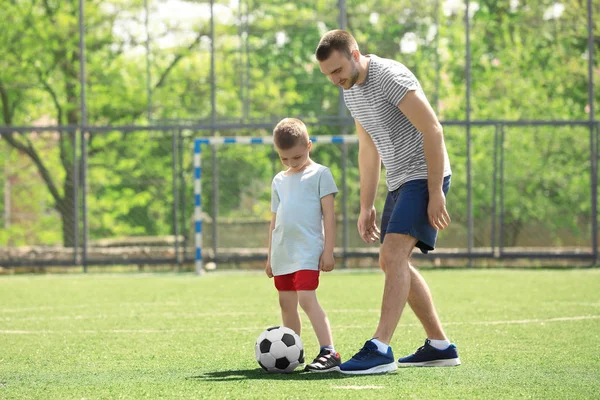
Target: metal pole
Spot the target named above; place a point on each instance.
(148, 76)
(342, 16)
(469, 174)
(83, 121)
(342, 20)
(247, 80)
(213, 101)
(241, 55)
(215, 201)
(494, 189)
(183, 195)
(175, 197)
(501, 222)
(213, 104)
(593, 142)
(75, 197)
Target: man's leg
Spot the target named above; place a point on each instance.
(421, 302)
(376, 358)
(430, 354)
(393, 258)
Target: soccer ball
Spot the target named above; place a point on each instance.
(279, 350)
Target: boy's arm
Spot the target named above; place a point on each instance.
(327, 262)
(268, 269)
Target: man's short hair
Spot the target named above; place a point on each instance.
(336, 40)
(290, 132)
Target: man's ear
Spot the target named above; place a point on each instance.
(355, 54)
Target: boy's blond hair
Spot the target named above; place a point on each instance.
(290, 132)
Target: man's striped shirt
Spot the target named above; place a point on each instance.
(374, 103)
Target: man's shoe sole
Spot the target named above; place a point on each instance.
(379, 369)
(452, 362)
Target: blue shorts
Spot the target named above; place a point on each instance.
(405, 212)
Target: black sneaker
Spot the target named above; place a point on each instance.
(326, 361)
(429, 356)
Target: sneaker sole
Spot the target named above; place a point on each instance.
(322, 371)
(380, 369)
(452, 362)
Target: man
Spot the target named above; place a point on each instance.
(397, 126)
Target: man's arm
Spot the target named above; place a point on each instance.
(369, 167)
(419, 112)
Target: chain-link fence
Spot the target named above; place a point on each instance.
(138, 208)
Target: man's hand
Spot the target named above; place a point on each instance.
(326, 262)
(436, 210)
(366, 226)
(268, 269)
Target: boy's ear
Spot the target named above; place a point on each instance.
(309, 144)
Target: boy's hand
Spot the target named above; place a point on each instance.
(326, 262)
(268, 269)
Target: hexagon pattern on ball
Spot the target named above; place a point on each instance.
(279, 350)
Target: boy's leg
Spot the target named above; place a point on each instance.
(309, 303)
(288, 301)
(328, 359)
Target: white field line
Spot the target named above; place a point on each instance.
(258, 328)
(353, 387)
(95, 305)
(166, 315)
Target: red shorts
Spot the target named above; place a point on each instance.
(300, 280)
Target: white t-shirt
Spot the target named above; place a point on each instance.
(298, 237)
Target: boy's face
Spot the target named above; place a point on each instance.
(295, 158)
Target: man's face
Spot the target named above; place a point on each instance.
(340, 70)
(296, 157)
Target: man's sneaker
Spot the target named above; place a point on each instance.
(369, 360)
(326, 361)
(429, 356)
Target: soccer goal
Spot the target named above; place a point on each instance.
(198, 144)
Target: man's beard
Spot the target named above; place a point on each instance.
(354, 76)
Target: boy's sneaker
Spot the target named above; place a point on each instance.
(326, 361)
(369, 360)
(429, 356)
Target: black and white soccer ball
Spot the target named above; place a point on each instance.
(279, 350)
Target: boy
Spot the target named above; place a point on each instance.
(301, 236)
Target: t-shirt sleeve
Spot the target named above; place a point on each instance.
(395, 85)
(274, 197)
(327, 184)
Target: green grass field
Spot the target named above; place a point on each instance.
(520, 334)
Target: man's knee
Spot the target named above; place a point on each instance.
(396, 251)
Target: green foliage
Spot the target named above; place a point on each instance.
(523, 67)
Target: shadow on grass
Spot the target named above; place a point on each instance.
(257, 373)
